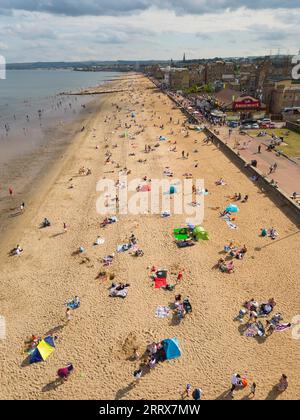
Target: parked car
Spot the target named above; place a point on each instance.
(233, 124)
(246, 127)
(255, 126)
(267, 125)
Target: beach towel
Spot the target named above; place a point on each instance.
(184, 244)
(231, 225)
(160, 282)
(251, 331)
(162, 312)
(118, 293)
(283, 327)
(123, 248)
(165, 214)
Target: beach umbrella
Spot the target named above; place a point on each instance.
(43, 350)
(232, 208)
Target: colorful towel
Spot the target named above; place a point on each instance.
(160, 282)
(162, 312)
(231, 225)
(283, 327)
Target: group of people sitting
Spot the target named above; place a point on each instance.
(182, 306)
(272, 233)
(225, 268)
(108, 221)
(119, 290)
(256, 310)
(238, 197)
(235, 251)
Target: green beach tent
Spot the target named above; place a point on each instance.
(181, 234)
(200, 234)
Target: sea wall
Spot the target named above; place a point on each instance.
(293, 126)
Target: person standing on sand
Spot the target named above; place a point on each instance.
(10, 190)
(65, 227)
(253, 390)
(283, 383)
(68, 315)
(187, 391)
(137, 375)
(182, 154)
(64, 372)
(259, 149)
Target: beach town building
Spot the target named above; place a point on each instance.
(177, 78)
(219, 70)
(236, 101)
(196, 75)
(280, 96)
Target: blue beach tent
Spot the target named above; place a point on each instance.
(232, 208)
(171, 347)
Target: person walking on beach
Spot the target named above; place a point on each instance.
(137, 375)
(64, 373)
(10, 190)
(235, 381)
(182, 154)
(283, 383)
(274, 167)
(22, 207)
(187, 391)
(253, 390)
(259, 149)
(68, 314)
(65, 227)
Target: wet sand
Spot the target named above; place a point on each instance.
(100, 338)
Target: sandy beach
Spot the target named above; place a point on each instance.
(100, 337)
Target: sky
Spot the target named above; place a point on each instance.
(77, 30)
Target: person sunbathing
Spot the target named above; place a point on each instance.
(229, 247)
(45, 223)
(273, 233)
(220, 182)
(230, 267)
(245, 199)
(16, 251)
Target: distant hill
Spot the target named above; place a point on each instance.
(75, 64)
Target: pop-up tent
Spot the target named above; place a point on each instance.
(232, 208)
(180, 234)
(171, 347)
(43, 350)
(200, 234)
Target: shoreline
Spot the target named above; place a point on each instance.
(28, 174)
